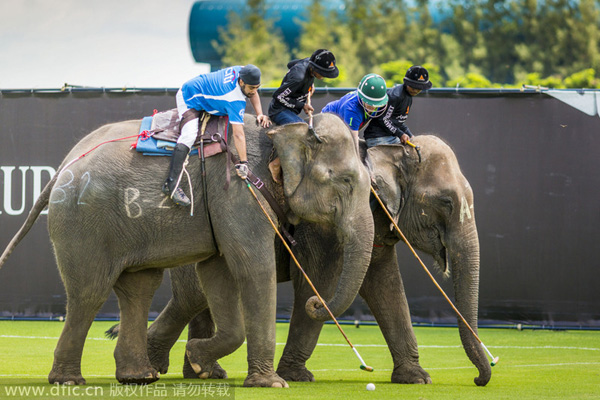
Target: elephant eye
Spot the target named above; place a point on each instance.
(447, 204)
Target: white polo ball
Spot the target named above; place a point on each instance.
(370, 386)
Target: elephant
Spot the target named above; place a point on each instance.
(111, 228)
(432, 202)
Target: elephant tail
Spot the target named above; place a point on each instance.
(38, 207)
(113, 332)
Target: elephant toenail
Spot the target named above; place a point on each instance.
(196, 367)
(203, 375)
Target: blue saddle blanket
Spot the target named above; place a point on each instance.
(149, 146)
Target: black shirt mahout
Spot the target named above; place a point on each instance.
(393, 121)
(294, 89)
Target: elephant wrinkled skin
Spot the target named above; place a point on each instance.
(112, 228)
(433, 204)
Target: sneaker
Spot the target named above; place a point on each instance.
(180, 198)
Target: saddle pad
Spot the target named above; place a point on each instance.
(163, 131)
(149, 146)
(165, 126)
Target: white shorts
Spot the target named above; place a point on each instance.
(190, 129)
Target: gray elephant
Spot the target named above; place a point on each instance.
(112, 228)
(433, 204)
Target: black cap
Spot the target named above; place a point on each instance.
(250, 74)
(417, 77)
(323, 62)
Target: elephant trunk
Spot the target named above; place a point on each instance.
(465, 274)
(357, 247)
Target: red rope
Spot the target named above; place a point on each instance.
(143, 135)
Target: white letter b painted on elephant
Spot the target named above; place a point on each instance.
(131, 195)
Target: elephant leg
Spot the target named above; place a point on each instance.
(86, 293)
(383, 291)
(259, 300)
(135, 291)
(187, 301)
(222, 295)
(303, 333)
(202, 327)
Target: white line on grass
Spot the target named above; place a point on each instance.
(346, 345)
(353, 369)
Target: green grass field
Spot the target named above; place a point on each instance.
(533, 365)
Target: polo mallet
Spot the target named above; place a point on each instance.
(310, 118)
(363, 365)
(417, 148)
(494, 359)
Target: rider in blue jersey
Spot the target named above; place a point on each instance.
(222, 92)
(356, 108)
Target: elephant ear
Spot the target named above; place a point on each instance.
(386, 161)
(291, 143)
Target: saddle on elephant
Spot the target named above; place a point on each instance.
(159, 133)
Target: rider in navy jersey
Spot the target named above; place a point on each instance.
(390, 128)
(291, 97)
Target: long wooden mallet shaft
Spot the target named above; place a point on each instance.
(494, 359)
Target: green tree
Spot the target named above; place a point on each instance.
(250, 38)
(394, 71)
(583, 79)
(472, 80)
(464, 25)
(324, 30)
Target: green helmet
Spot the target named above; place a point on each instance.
(372, 90)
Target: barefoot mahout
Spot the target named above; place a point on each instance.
(112, 228)
(432, 202)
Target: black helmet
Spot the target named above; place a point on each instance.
(250, 74)
(323, 62)
(417, 77)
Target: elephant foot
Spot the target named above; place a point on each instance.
(265, 380)
(410, 374)
(217, 372)
(201, 369)
(295, 374)
(137, 378)
(56, 377)
(159, 360)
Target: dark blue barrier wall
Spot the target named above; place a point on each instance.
(530, 159)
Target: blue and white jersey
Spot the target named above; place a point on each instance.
(217, 93)
(349, 109)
